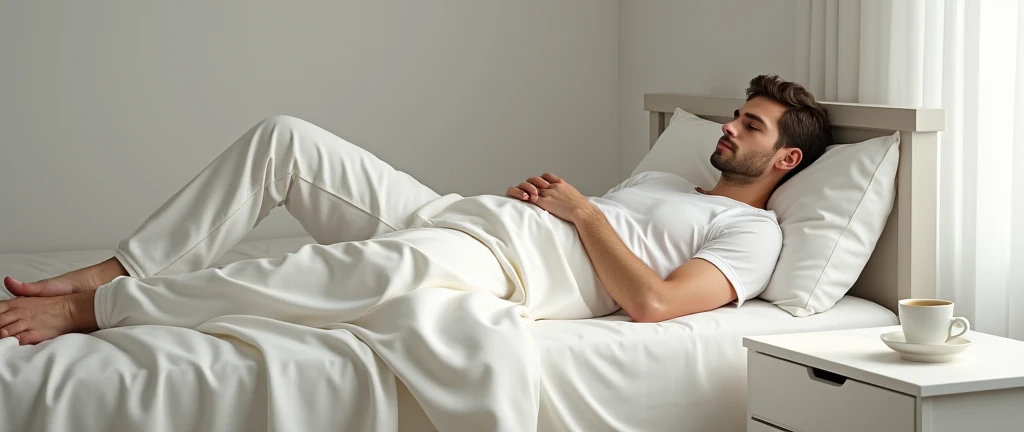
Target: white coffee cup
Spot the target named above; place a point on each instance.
(930, 321)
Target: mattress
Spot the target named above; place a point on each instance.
(684, 374)
(597, 374)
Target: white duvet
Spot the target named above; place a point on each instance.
(466, 357)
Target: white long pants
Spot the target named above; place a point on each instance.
(341, 194)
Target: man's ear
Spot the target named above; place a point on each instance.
(790, 159)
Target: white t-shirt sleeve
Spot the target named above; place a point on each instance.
(745, 250)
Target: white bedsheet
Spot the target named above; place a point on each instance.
(596, 374)
(685, 374)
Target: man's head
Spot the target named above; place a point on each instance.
(779, 131)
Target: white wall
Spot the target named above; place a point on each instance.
(695, 46)
(107, 108)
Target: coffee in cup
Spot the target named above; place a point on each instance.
(930, 321)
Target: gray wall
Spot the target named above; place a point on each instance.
(108, 107)
(694, 46)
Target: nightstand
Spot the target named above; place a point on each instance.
(849, 380)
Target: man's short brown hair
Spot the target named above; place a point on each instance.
(804, 125)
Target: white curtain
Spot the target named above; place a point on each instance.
(967, 57)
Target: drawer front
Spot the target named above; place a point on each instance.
(799, 398)
(756, 426)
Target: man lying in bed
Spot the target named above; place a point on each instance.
(381, 234)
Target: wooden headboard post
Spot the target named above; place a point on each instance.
(904, 263)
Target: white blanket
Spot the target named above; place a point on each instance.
(466, 357)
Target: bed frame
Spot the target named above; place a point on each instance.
(904, 263)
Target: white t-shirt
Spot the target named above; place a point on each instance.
(664, 220)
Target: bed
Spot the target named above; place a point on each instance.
(597, 374)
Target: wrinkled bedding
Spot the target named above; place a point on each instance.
(437, 359)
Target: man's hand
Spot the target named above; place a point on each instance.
(554, 195)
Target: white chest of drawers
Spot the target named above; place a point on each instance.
(850, 381)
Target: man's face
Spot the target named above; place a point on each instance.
(747, 147)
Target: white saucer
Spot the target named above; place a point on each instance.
(925, 353)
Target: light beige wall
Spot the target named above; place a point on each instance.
(108, 107)
(695, 46)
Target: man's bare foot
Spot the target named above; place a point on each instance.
(81, 280)
(35, 319)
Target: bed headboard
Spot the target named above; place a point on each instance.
(904, 263)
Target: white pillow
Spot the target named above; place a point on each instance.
(685, 149)
(831, 213)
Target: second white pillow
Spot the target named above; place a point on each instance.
(685, 149)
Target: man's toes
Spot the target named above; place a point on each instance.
(14, 328)
(12, 285)
(30, 337)
(21, 289)
(9, 314)
(56, 286)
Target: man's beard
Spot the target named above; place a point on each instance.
(743, 170)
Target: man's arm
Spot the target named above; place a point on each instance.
(696, 286)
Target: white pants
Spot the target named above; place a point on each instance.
(341, 194)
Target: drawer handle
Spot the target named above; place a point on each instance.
(826, 377)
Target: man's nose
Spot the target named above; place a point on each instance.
(729, 129)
